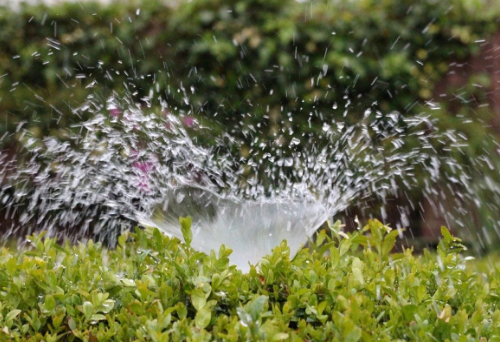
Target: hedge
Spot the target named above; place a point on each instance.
(348, 287)
(285, 65)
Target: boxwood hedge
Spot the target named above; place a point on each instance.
(344, 287)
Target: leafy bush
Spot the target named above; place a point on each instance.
(153, 288)
(237, 64)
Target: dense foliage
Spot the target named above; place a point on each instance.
(283, 67)
(153, 288)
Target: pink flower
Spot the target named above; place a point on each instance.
(143, 174)
(144, 167)
(188, 121)
(143, 185)
(115, 112)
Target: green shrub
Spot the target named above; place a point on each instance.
(280, 64)
(153, 288)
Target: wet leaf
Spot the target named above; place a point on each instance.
(88, 309)
(198, 298)
(186, 229)
(202, 318)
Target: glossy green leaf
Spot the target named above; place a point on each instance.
(88, 309)
(186, 229)
(198, 298)
(12, 314)
(202, 318)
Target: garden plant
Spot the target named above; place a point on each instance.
(343, 287)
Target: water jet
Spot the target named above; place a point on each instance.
(141, 167)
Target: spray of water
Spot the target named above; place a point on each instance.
(130, 165)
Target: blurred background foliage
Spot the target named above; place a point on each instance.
(266, 71)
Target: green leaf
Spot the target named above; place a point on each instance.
(257, 307)
(447, 237)
(449, 243)
(57, 319)
(107, 306)
(389, 242)
(88, 309)
(50, 303)
(128, 282)
(216, 280)
(136, 308)
(12, 314)
(409, 311)
(312, 277)
(198, 298)
(158, 238)
(353, 336)
(345, 245)
(320, 237)
(98, 317)
(186, 229)
(202, 318)
(122, 240)
(72, 324)
(181, 311)
(357, 271)
(280, 337)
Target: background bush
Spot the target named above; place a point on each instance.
(239, 62)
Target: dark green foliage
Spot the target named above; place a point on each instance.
(153, 288)
(281, 65)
